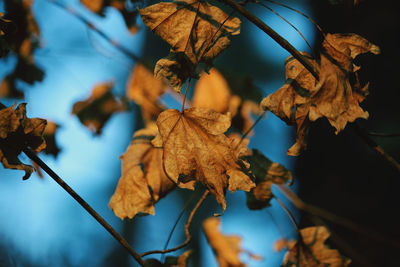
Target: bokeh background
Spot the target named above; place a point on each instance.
(40, 225)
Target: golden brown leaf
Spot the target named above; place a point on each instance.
(49, 136)
(225, 247)
(143, 181)
(96, 6)
(16, 133)
(312, 252)
(193, 27)
(145, 90)
(195, 148)
(212, 91)
(333, 96)
(95, 111)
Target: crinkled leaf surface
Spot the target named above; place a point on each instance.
(95, 111)
(193, 27)
(143, 181)
(312, 252)
(266, 173)
(196, 149)
(49, 136)
(333, 96)
(145, 90)
(16, 133)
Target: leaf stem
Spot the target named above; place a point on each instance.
(84, 204)
(288, 213)
(81, 18)
(384, 134)
(313, 210)
(274, 35)
(184, 96)
(251, 128)
(188, 236)
(361, 132)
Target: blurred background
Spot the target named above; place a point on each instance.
(40, 225)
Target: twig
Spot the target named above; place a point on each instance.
(188, 236)
(372, 144)
(84, 204)
(383, 134)
(300, 204)
(274, 35)
(184, 97)
(251, 128)
(288, 213)
(101, 33)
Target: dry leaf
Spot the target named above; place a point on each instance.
(333, 96)
(170, 261)
(95, 111)
(145, 90)
(193, 27)
(49, 136)
(212, 91)
(266, 174)
(16, 133)
(96, 6)
(312, 252)
(225, 247)
(143, 181)
(282, 244)
(195, 148)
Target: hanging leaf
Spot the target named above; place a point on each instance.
(143, 181)
(6, 27)
(95, 111)
(266, 174)
(170, 261)
(312, 252)
(195, 149)
(96, 6)
(145, 90)
(49, 136)
(225, 247)
(16, 133)
(333, 96)
(212, 91)
(195, 29)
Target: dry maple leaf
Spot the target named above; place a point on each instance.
(49, 136)
(226, 248)
(95, 111)
(16, 133)
(145, 90)
(312, 252)
(212, 91)
(143, 181)
(195, 148)
(333, 96)
(193, 27)
(266, 174)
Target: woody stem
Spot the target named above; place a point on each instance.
(84, 204)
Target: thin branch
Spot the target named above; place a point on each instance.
(84, 204)
(188, 236)
(384, 134)
(361, 132)
(251, 128)
(176, 222)
(81, 18)
(274, 35)
(288, 213)
(300, 204)
(184, 97)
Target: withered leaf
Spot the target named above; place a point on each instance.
(193, 27)
(49, 136)
(196, 149)
(96, 6)
(266, 173)
(143, 181)
(16, 133)
(334, 96)
(225, 247)
(212, 91)
(312, 252)
(170, 261)
(145, 90)
(95, 111)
